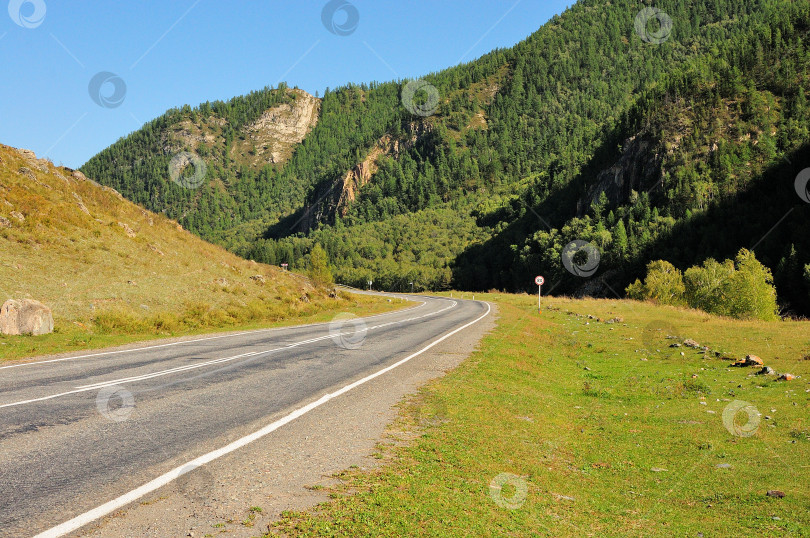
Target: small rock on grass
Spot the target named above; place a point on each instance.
(749, 360)
(767, 370)
(658, 470)
(775, 493)
(787, 377)
(723, 466)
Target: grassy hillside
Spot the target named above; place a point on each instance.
(598, 428)
(113, 272)
(531, 131)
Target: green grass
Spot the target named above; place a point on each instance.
(604, 442)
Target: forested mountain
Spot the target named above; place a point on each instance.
(649, 144)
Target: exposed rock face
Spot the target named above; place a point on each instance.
(343, 191)
(357, 177)
(31, 157)
(638, 168)
(80, 203)
(281, 128)
(27, 154)
(25, 317)
(127, 230)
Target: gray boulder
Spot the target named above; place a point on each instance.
(25, 317)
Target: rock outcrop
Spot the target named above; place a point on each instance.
(278, 130)
(638, 168)
(25, 317)
(343, 191)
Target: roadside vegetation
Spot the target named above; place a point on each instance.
(741, 288)
(582, 420)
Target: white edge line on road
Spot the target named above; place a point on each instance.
(147, 348)
(101, 511)
(143, 377)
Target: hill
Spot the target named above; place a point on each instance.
(109, 268)
(491, 181)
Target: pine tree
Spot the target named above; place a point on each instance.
(620, 241)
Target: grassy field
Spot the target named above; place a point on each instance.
(114, 273)
(568, 425)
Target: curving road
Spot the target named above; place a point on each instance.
(84, 435)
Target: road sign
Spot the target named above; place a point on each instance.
(539, 281)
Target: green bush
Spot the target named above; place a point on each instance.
(319, 271)
(742, 288)
(749, 291)
(664, 284)
(704, 285)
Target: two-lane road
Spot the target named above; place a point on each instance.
(84, 435)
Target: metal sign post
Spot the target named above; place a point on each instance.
(539, 281)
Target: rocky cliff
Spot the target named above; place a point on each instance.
(638, 169)
(337, 198)
(273, 137)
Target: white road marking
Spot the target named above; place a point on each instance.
(115, 382)
(147, 348)
(100, 511)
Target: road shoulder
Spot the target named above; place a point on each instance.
(241, 493)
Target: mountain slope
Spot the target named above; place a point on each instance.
(518, 134)
(704, 164)
(103, 264)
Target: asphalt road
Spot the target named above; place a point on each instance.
(82, 431)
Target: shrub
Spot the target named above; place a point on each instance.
(742, 288)
(664, 284)
(704, 286)
(749, 290)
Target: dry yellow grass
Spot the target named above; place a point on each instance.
(105, 266)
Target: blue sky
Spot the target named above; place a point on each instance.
(164, 54)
